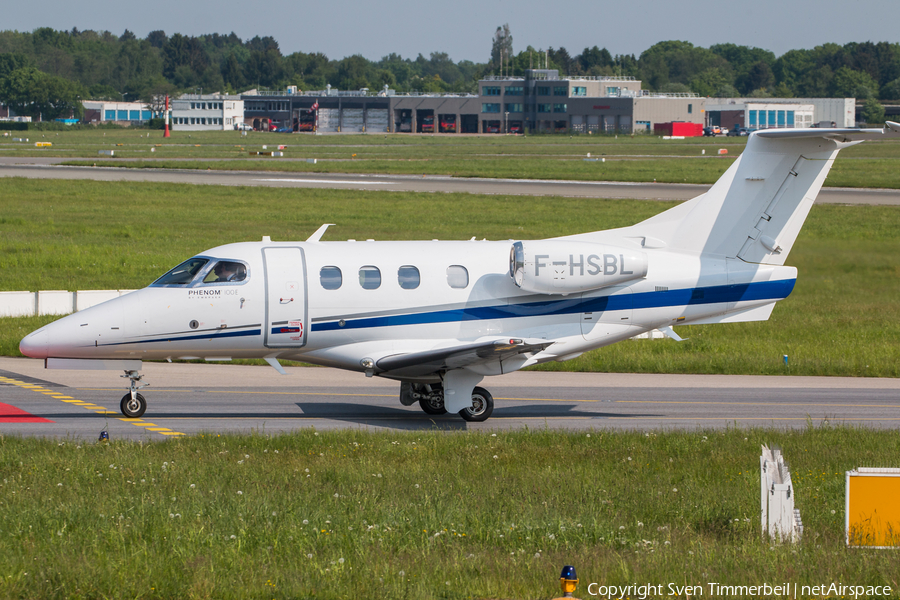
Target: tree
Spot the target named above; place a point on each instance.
(353, 73)
(710, 81)
(677, 62)
(848, 83)
(815, 83)
(742, 59)
(12, 61)
(157, 38)
(873, 111)
(591, 58)
(891, 90)
(782, 90)
(561, 60)
(759, 77)
(727, 91)
(34, 93)
(502, 46)
(232, 73)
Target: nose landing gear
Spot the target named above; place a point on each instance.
(133, 404)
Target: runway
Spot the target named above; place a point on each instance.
(188, 399)
(48, 168)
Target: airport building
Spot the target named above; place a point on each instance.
(767, 113)
(121, 113)
(207, 112)
(541, 101)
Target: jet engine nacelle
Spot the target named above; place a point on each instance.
(560, 267)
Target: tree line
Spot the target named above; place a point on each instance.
(48, 72)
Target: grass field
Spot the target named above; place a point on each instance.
(842, 319)
(639, 158)
(422, 515)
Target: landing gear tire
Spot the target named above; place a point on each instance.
(482, 406)
(133, 408)
(433, 405)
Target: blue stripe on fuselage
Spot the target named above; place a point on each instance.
(209, 336)
(765, 290)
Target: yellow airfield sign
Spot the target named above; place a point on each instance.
(872, 514)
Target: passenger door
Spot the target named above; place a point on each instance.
(286, 322)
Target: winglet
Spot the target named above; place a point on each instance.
(671, 333)
(275, 364)
(317, 236)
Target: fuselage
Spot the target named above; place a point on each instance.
(336, 303)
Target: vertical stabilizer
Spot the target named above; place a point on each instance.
(756, 209)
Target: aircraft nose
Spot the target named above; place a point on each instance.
(36, 344)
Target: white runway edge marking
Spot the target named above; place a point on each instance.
(329, 181)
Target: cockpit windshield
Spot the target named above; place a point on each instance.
(184, 273)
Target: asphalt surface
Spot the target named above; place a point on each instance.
(186, 399)
(47, 168)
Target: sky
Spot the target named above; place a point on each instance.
(464, 28)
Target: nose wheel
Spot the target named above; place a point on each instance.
(133, 404)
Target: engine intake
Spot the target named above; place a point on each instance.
(558, 267)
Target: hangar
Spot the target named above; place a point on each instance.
(768, 113)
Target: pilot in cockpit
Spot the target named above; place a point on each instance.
(229, 271)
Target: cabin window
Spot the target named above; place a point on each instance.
(226, 271)
(370, 278)
(457, 276)
(408, 276)
(330, 278)
(184, 273)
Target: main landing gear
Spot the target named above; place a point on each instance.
(133, 404)
(431, 401)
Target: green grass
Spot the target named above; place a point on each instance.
(640, 158)
(422, 515)
(842, 318)
(662, 170)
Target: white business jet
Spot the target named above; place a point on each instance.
(440, 316)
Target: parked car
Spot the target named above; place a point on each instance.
(708, 132)
(242, 127)
(738, 131)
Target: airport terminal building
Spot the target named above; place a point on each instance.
(541, 101)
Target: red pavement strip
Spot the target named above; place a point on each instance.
(11, 414)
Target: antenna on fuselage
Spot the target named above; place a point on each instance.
(317, 236)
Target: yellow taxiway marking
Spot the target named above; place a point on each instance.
(100, 410)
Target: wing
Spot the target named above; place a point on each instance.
(417, 364)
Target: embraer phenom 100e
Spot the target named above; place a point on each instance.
(440, 316)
